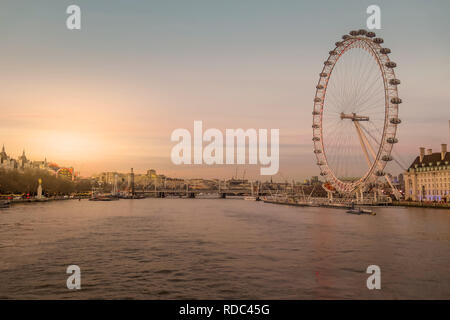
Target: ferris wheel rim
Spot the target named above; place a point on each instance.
(358, 39)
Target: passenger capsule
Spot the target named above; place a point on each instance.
(323, 173)
(315, 113)
(379, 173)
(328, 63)
(362, 32)
(320, 163)
(345, 36)
(370, 34)
(323, 74)
(395, 121)
(353, 33)
(319, 86)
(316, 139)
(385, 50)
(392, 140)
(317, 151)
(390, 64)
(386, 158)
(315, 126)
(394, 82)
(332, 53)
(317, 99)
(338, 44)
(396, 100)
(378, 40)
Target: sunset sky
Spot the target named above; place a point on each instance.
(107, 97)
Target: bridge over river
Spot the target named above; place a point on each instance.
(191, 193)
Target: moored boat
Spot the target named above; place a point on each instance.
(361, 211)
(4, 204)
(103, 198)
(252, 198)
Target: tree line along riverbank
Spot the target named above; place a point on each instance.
(26, 183)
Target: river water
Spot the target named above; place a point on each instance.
(220, 249)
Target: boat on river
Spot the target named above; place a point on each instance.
(103, 198)
(361, 211)
(4, 204)
(252, 198)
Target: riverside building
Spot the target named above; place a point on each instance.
(428, 177)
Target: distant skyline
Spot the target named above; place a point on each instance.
(107, 97)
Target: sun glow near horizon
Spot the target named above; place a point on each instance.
(108, 96)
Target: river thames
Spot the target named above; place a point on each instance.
(220, 249)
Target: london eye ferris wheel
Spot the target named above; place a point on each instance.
(355, 114)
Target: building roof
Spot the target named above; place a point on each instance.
(3, 153)
(433, 158)
(23, 157)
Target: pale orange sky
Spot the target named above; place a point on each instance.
(108, 97)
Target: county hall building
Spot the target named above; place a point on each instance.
(428, 177)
